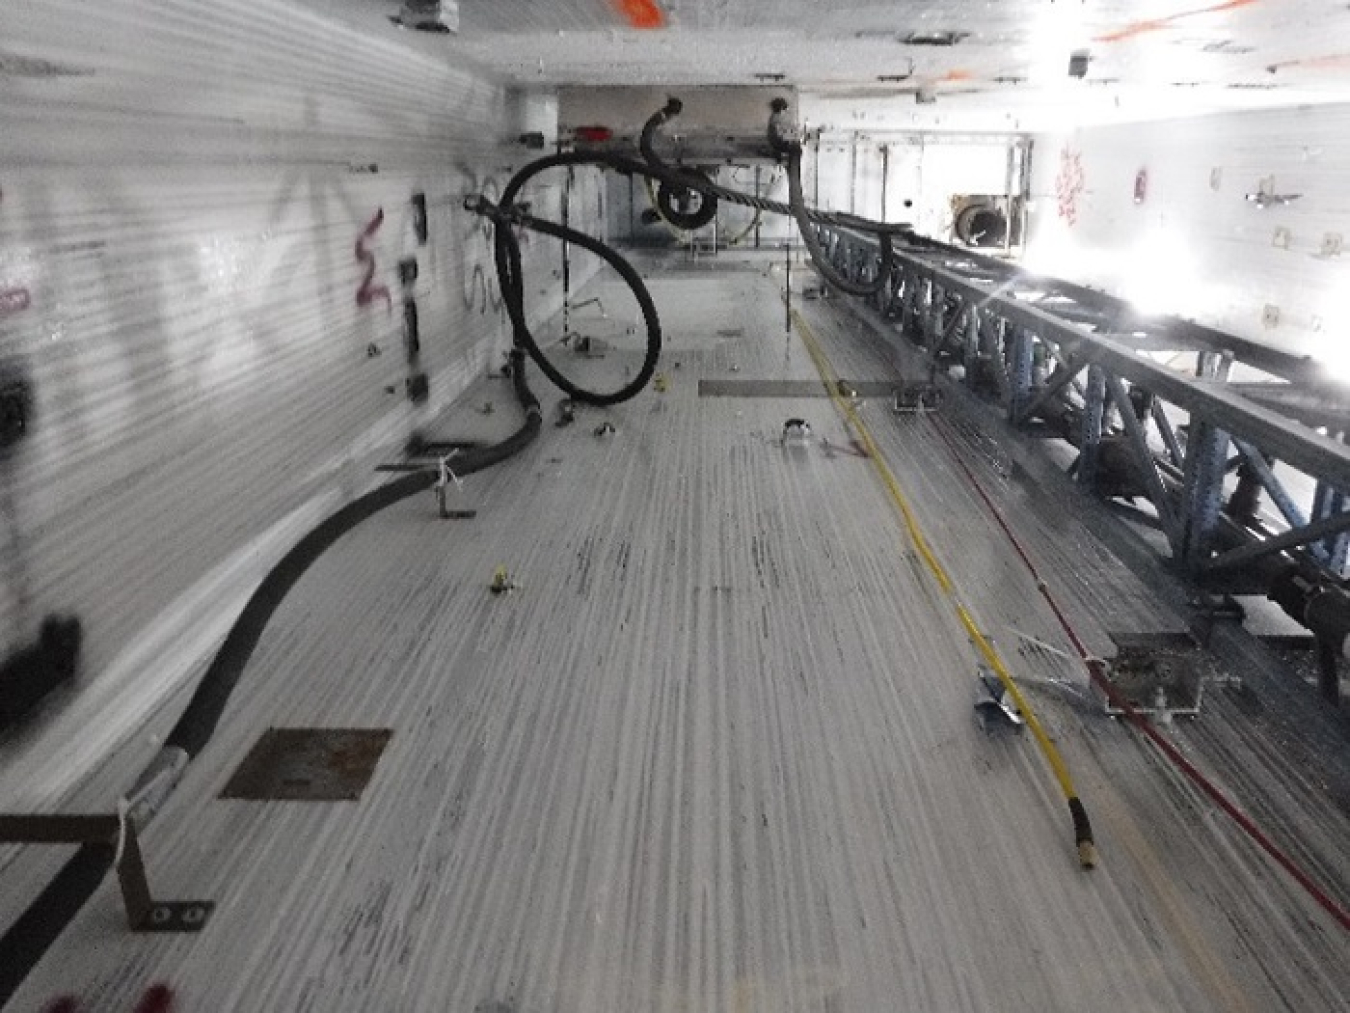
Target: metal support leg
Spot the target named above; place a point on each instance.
(970, 349)
(1089, 452)
(1144, 459)
(1206, 453)
(1329, 501)
(1019, 372)
(1259, 466)
(1168, 434)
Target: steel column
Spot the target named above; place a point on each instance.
(1144, 458)
(1094, 409)
(1202, 496)
(1018, 369)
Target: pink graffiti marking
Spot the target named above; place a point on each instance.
(368, 292)
(1069, 184)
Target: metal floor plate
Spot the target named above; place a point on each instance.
(308, 765)
(788, 388)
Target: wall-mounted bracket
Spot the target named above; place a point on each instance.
(144, 914)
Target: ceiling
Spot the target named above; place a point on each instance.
(1008, 60)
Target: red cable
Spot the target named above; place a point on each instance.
(1098, 676)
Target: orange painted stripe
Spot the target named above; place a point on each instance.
(1157, 24)
(642, 13)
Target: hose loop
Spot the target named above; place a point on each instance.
(673, 181)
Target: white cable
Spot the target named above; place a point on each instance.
(123, 810)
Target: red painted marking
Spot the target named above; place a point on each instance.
(1137, 28)
(368, 293)
(593, 134)
(14, 299)
(62, 1004)
(157, 999)
(642, 13)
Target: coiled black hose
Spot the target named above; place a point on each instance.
(667, 197)
(507, 213)
(506, 249)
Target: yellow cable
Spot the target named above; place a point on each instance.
(1087, 852)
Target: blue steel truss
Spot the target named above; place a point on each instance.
(1239, 454)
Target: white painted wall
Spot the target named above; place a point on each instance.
(1195, 245)
(182, 189)
(848, 170)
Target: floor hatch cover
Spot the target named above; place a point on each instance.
(309, 765)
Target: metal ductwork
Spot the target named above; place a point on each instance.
(983, 220)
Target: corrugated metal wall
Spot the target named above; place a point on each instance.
(1194, 243)
(183, 188)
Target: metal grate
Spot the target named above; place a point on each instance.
(309, 765)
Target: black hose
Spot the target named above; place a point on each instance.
(32, 934)
(669, 195)
(819, 259)
(507, 213)
(670, 110)
(198, 721)
(507, 252)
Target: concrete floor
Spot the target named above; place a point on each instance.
(717, 750)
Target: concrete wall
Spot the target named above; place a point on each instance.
(183, 189)
(1194, 244)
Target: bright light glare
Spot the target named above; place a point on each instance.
(1052, 252)
(1159, 275)
(1330, 345)
(1156, 275)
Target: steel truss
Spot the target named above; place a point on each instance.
(1236, 449)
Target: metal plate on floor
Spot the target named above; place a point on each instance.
(788, 388)
(1158, 673)
(309, 765)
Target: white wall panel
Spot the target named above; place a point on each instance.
(182, 191)
(849, 173)
(1195, 245)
